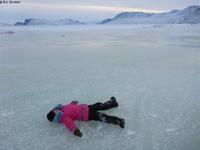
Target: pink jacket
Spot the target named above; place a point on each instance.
(74, 111)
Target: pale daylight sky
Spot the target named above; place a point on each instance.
(84, 10)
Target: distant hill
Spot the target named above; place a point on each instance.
(32, 21)
(5, 24)
(188, 15)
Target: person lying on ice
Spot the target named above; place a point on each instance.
(66, 114)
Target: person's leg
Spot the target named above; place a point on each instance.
(104, 106)
(98, 116)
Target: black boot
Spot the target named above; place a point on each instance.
(114, 101)
(111, 103)
(107, 105)
(122, 123)
(111, 119)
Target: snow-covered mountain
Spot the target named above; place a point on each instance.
(32, 21)
(188, 15)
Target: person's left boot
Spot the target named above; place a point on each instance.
(111, 119)
(122, 123)
(107, 105)
(114, 101)
(110, 104)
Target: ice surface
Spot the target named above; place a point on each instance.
(154, 72)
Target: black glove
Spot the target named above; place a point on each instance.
(78, 133)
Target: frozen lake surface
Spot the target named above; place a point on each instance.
(153, 71)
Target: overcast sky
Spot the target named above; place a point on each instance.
(85, 10)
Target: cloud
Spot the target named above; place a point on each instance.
(78, 7)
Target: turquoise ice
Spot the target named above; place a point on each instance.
(152, 70)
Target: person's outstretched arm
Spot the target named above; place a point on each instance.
(69, 124)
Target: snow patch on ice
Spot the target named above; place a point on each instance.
(171, 130)
(130, 132)
(153, 115)
(6, 114)
(7, 32)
